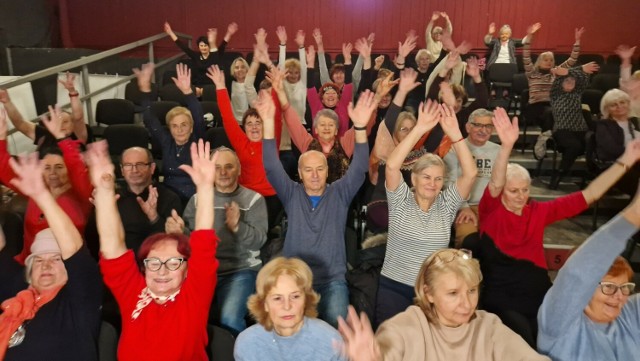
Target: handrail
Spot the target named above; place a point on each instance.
(84, 76)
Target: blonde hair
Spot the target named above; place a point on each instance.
(612, 96)
(542, 56)
(268, 278)
(174, 112)
(233, 65)
(292, 63)
(423, 52)
(433, 268)
(427, 161)
(402, 117)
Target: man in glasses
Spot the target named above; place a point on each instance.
(479, 127)
(143, 206)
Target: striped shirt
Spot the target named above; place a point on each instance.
(540, 82)
(414, 234)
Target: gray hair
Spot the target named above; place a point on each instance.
(516, 171)
(505, 27)
(542, 56)
(229, 150)
(427, 161)
(309, 152)
(328, 113)
(610, 97)
(479, 113)
(423, 52)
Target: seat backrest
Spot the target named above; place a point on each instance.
(13, 228)
(519, 83)
(115, 111)
(217, 137)
(210, 107)
(592, 98)
(605, 82)
(209, 93)
(124, 136)
(172, 93)
(107, 342)
(221, 343)
(161, 108)
(133, 94)
(586, 58)
(502, 73)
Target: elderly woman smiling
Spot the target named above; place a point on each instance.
(444, 325)
(590, 312)
(285, 308)
(164, 313)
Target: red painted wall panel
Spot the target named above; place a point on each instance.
(106, 24)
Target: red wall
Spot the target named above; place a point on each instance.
(106, 24)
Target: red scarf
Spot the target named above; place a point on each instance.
(19, 309)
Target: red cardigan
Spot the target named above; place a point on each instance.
(175, 330)
(75, 201)
(252, 173)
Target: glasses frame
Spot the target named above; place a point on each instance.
(165, 263)
(462, 253)
(138, 166)
(488, 127)
(617, 287)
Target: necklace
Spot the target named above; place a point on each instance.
(179, 149)
(18, 336)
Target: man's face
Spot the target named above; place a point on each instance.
(313, 171)
(227, 172)
(479, 129)
(137, 168)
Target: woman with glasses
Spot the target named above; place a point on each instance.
(420, 218)
(443, 324)
(185, 126)
(590, 312)
(164, 312)
(512, 227)
(284, 306)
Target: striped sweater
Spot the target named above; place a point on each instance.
(540, 82)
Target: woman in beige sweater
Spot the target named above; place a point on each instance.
(443, 325)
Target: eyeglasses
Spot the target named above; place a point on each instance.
(488, 127)
(448, 255)
(610, 288)
(405, 129)
(138, 166)
(154, 264)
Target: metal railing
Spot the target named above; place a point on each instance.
(84, 73)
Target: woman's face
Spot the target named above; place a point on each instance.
(239, 71)
(603, 308)
(285, 305)
(293, 74)
(385, 101)
(619, 109)
(181, 128)
(204, 48)
(330, 98)
(454, 300)
(253, 128)
(338, 78)
(515, 194)
(66, 124)
(436, 33)
(406, 125)
(164, 282)
(326, 129)
(55, 171)
(505, 35)
(546, 62)
(423, 62)
(48, 272)
(428, 183)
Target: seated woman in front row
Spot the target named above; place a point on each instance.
(590, 312)
(57, 317)
(444, 325)
(164, 312)
(285, 309)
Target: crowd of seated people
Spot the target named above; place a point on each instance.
(464, 274)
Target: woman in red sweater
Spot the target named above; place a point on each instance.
(164, 313)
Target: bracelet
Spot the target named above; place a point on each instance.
(359, 128)
(301, 47)
(74, 94)
(283, 44)
(625, 166)
(458, 141)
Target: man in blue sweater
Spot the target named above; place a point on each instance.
(317, 211)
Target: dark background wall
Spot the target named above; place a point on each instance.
(105, 24)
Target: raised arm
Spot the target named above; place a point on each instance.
(448, 21)
(300, 36)
(599, 186)
(29, 180)
(449, 124)
(427, 34)
(183, 82)
(23, 126)
(77, 113)
(236, 136)
(232, 28)
(203, 174)
(428, 116)
(281, 32)
(404, 48)
(169, 31)
(299, 135)
(508, 132)
(7, 173)
(489, 37)
(625, 53)
(322, 61)
(249, 82)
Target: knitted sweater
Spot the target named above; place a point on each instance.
(540, 82)
(567, 106)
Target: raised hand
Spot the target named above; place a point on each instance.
(449, 122)
(144, 75)
(385, 86)
(359, 341)
(428, 116)
(532, 29)
(363, 47)
(446, 94)
(261, 54)
(559, 71)
(183, 81)
(4, 96)
(371, 38)
(101, 169)
(29, 180)
(54, 122)
(217, 76)
(317, 36)
(447, 42)
(264, 106)
(444, 15)
(300, 35)
(150, 206)
(492, 28)
(360, 114)
(212, 35)
(174, 224)
(68, 82)
(472, 67)
(631, 153)
(231, 29)
(452, 60)
(508, 131)
(463, 48)
(435, 16)
(311, 56)
(408, 45)
(578, 33)
(624, 52)
(590, 67)
(203, 166)
(281, 32)
(261, 36)
(378, 62)
(347, 48)
(167, 29)
(408, 82)
(276, 77)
